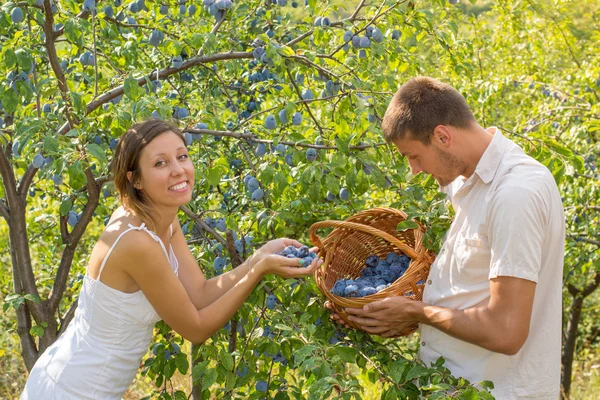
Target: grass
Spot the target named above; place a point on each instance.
(586, 379)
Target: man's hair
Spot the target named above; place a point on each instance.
(127, 158)
(420, 105)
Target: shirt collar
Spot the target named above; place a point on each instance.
(490, 160)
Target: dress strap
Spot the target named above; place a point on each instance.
(171, 226)
(142, 227)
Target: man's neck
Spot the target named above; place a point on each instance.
(476, 141)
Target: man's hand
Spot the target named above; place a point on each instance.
(386, 318)
(335, 316)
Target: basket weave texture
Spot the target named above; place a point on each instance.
(370, 232)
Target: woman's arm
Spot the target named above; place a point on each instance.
(143, 259)
(201, 291)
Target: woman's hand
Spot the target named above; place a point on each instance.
(274, 246)
(267, 262)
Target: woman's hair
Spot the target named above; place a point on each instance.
(420, 105)
(127, 158)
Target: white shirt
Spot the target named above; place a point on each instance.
(509, 222)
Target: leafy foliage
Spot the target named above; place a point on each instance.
(258, 86)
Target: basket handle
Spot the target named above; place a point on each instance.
(359, 227)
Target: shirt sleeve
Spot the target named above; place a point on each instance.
(517, 225)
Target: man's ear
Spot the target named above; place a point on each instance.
(137, 184)
(442, 135)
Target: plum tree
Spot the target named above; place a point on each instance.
(76, 80)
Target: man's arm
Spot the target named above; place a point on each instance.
(500, 325)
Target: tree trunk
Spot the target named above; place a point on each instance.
(570, 342)
(196, 388)
(579, 296)
(29, 350)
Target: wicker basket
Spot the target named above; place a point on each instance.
(353, 240)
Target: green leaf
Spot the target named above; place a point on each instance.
(182, 363)
(65, 207)
(214, 176)
(132, 89)
(24, 60)
(487, 384)
(396, 370)
(559, 148)
(51, 145)
(77, 177)
(578, 164)
(180, 395)
(198, 370)
(285, 51)
(35, 298)
(416, 371)
(98, 152)
(169, 370)
(405, 225)
(469, 394)
(226, 360)
(73, 32)
(36, 330)
(210, 377)
(78, 103)
(9, 58)
(283, 327)
(280, 182)
(347, 354)
(10, 100)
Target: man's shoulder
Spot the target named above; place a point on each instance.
(518, 169)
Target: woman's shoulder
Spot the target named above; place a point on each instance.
(117, 249)
(120, 222)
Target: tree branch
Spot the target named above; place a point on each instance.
(163, 74)
(236, 259)
(586, 240)
(29, 350)
(589, 289)
(247, 156)
(25, 182)
(54, 63)
(18, 234)
(251, 137)
(306, 105)
(377, 15)
(4, 211)
(64, 322)
(72, 242)
(203, 224)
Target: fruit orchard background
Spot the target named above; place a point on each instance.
(78, 74)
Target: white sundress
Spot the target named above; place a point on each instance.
(99, 354)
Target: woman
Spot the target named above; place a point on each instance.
(140, 271)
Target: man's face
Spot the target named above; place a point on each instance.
(432, 159)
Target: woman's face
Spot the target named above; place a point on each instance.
(167, 174)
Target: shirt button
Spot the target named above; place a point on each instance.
(422, 343)
(429, 282)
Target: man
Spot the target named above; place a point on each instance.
(492, 303)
